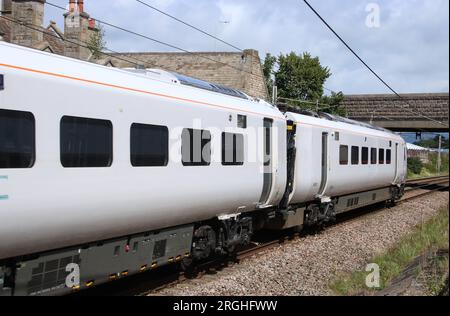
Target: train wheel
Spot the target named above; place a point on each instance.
(187, 264)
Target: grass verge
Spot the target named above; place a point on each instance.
(430, 236)
(424, 174)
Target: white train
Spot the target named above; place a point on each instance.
(107, 172)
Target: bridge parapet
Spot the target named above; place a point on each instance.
(388, 111)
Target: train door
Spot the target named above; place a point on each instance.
(324, 164)
(398, 163)
(268, 161)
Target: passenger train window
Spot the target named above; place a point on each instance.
(373, 156)
(388, 157)
(85, 142)
(17, 139)
(343, 155)
(381, 156)
(355, 155)
(365, 156)
(268, 140)
(242, 121)
(149, 145)
(196, 147)
(232, 149)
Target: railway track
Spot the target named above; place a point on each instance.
(426, 180)
(149, 283)
(415, 189)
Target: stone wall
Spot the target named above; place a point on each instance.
(245, 73)
(389, 111)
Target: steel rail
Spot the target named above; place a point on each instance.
(134, 285)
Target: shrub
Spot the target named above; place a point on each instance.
(415, 165)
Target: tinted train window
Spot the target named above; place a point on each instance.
(355, 155)
(85, 142)
(242, 121)
(232, 149)
(343, 155)
(17, 139)
(196, 147)
(149, 145)
(381, 156)
(268, 140)
(373, 156)
(388, 157)
(365, 156)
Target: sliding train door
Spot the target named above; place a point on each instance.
(324, 165)
(268, 161)
(400, 163)
(396, 163)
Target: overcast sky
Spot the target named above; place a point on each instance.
(409, 49)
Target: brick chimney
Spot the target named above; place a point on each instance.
(76, 30)
(71, 5)
(80, 6)
(29, 12)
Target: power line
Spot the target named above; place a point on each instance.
(302, 101)
(368, 67)
(40, 29)
(330, 90)
(316, 104)
(189, 25)
(167, 44)
(160, 42)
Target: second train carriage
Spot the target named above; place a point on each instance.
(339, 165)
(88, 174)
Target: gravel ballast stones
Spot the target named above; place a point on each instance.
(306, 265)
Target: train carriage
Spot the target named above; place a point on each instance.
(107, 172)
(344, 164)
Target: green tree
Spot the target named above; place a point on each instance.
(302, 78)
(415, 165)
(433, 143)
(96, 42)
(334, 102)
(268, 70)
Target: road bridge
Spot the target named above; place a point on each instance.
(391, 112)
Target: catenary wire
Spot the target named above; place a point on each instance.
(44, 31)
(369, 68)
(189, 25)
(160, 42)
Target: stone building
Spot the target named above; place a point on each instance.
(23, 25)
